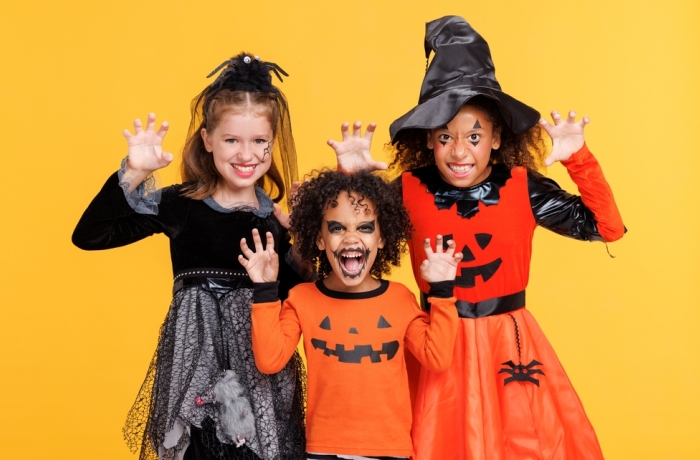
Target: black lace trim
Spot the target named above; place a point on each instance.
(467, 199)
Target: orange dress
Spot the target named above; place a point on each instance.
(505, 395)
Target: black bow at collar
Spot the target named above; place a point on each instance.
(467, 199)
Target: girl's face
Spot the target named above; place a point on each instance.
(241, 145)
(350, 236)
(463, 148)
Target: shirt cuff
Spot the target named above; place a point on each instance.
(265, 292)
(442, 289)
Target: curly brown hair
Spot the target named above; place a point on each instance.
(316, 195)
(410, 149)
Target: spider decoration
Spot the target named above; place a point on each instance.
(247, 60)
(521, 373)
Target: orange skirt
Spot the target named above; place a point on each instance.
(468, 413)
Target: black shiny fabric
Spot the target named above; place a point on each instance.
(467, 199)
(489, 307)
(461, 69)
(553, 208)
(560, 211)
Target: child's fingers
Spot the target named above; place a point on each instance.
(270, 243)
(257, 241)
(439, 248)
(138, 127)
(344, 130)
(427, 248)
(242, 260)
(151, 122)
(245, 249)
(556, 117)
(163, 130)
(458, 257)
(370, 131)
(451, 247)
(356, 128)
(572, 117)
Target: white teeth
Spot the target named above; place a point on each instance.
(460, 169)
(244, 169)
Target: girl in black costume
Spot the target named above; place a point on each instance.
(239, 152)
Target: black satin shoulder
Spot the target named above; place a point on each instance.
(467, 199)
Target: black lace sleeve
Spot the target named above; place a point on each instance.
(109, 221)
(560, 211)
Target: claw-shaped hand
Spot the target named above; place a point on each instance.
(262, 265)
(353, 152)
(440, 265)
(567, 136)
(145, 147)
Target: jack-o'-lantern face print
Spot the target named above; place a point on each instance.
(467, 275)
(371, 343)
(350, 236)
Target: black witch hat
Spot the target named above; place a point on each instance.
(461, 69)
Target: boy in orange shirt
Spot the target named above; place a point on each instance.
(355, 324)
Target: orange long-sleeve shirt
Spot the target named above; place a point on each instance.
(358, 397)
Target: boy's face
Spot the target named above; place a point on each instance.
(351, 237)
(463, 147)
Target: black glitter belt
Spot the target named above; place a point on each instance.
(212, 279)
(489, 307)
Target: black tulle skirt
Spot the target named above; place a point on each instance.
(207, 331)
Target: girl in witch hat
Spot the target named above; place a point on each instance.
(469, 155)
(239, 151)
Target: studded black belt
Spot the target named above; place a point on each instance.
(489, 307)
(212, 279)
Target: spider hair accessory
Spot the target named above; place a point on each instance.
(247, 73)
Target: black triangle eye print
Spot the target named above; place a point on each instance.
(467, 276)
(483, 239)
(383, 323)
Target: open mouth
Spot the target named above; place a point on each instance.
(460, 169)
(244, 170)
(352, 261)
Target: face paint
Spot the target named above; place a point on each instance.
(350, 238)
(463, 147)
(267, 150)
(477, 125)
(352, 261)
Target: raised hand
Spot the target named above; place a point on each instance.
(353, 152)
(262, 265)
(440, 265)
(567, 136)
(145, 147)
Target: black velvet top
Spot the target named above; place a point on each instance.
(200, 236)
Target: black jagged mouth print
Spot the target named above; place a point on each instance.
(355, 355)
(352, 261)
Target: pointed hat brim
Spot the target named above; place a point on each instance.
(461, 69)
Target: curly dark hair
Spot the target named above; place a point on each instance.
(316, 195)
(410, 149)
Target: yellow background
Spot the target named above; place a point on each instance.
(78, 329)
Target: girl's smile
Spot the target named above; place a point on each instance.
(241, 146)
(462, 148)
